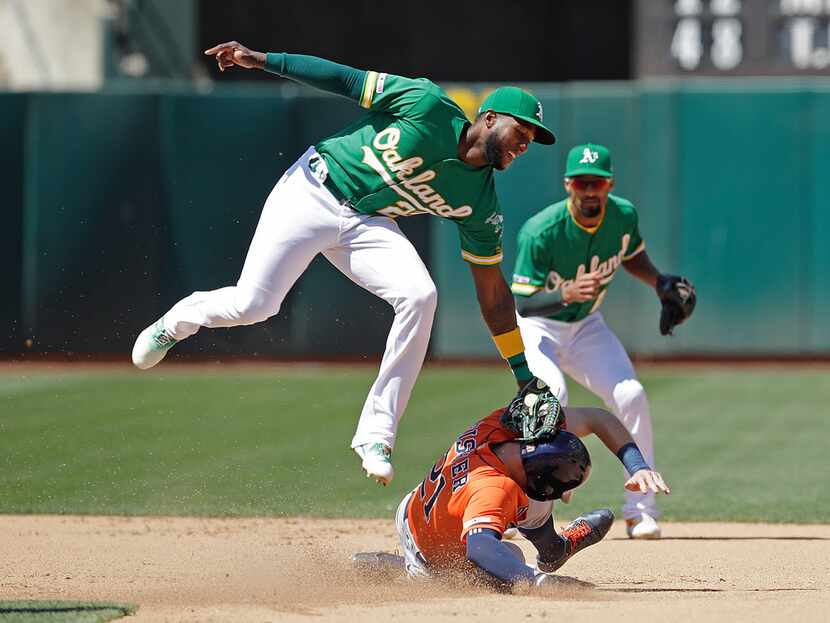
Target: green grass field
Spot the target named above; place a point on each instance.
(29, 611)
(734, 444)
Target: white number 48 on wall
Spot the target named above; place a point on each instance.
(687, 44)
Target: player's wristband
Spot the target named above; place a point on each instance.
(631, 457)
(510, 343)
(518, 364)
(512, 348)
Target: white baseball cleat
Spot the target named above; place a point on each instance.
(642, 527)
(377, 461)
(152, 345)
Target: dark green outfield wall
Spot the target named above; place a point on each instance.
(12, 123)
(117, 204)
(122, 203)
(731, 181)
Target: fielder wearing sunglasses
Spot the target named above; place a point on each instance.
(567, 255)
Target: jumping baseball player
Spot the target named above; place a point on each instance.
(567, 256)
(492, 477)
(414, 153)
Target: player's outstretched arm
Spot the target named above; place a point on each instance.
(311, 70)
(499, 311)
(584, 421)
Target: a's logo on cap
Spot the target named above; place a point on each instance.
(589, 156)
(539, 110)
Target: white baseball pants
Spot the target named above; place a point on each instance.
(300, 219)
(593, 356)
(414, 561)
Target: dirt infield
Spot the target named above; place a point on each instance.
(258, 570)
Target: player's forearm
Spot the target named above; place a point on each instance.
(583, 421)
(499, 311)
(494, 298)
(601, 423)
(317, 72)
(540, 303)
(641, 267)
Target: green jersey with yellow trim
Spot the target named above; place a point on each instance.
(402, 159)
(553, 249)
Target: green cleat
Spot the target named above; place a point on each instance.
(152, 345)
(377, 461)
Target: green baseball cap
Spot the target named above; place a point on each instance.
(589, 159)
(522, 105)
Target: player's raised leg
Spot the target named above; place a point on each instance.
(376, 255)
(300, 218)
(597, 360)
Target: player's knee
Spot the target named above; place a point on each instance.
(428, 298)
(557, 384)
(253, 305)
(515, 550)
(629, 398)
(545, 369)
(422, 298)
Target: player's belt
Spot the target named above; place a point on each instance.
(334, 190)
(320, 170)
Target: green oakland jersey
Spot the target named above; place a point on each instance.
(402, 159)
(553, 249)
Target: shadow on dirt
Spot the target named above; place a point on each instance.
(703, 590)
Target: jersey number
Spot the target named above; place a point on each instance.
(437, 479)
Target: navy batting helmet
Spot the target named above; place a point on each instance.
(555, 466)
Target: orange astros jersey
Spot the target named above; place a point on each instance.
(468, 487)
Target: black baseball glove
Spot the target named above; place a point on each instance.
(534, 413)
(678, 298)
